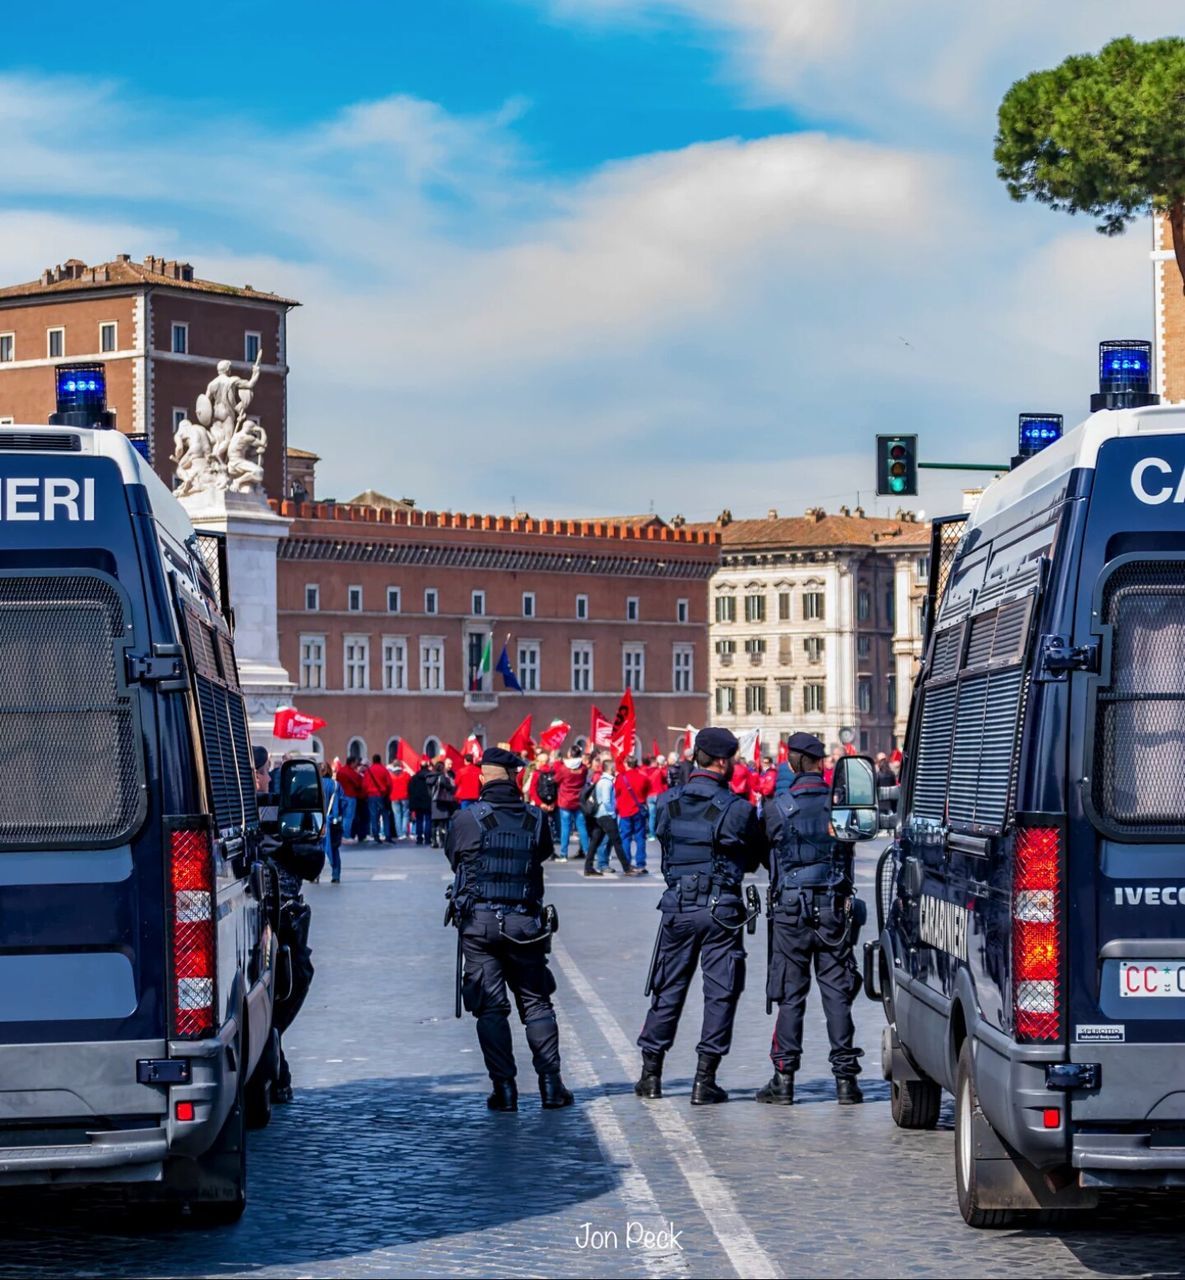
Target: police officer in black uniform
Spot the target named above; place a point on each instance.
(710, 839)
(497, 847)
(811, 902)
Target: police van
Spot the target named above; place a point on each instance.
(1031, 955)
(137, 955)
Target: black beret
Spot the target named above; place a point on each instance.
(502, 758)
(259, 755)
(806, 744)
(717, 743)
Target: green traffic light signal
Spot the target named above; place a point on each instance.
(897, 466)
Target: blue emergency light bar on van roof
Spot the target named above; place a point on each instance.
(1037, 431)
(81, 396)
(1125, 375)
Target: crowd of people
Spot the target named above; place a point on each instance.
(609, 811)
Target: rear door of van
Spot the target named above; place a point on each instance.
(82, 931)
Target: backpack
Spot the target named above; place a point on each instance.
(588, 798)
(546, 788)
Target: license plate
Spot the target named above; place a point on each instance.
(1152, 978)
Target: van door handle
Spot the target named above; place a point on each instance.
(979, 888)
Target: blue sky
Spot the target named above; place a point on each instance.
(591, 254)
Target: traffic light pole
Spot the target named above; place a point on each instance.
(961, 466)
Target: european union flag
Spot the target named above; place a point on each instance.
(506, 671)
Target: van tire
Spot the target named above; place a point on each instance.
(225, 1166)
(967, 1114)
(258, 1096)
(915, 1104)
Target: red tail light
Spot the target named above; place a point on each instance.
(191, 906)
(1036, 933)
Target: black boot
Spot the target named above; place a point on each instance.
(847, 1091)
(779, 1090)
(650, 1082)
(704, 1089)
(553, 1093)
(504, 1096)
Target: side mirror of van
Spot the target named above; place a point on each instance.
(854, 813)
(302, 811)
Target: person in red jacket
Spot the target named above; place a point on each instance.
(656, 784)
(631, 787)
(571, 775)
(376, 787)
(741, 781)
(399, 780)
(468, 783)
(350, 781)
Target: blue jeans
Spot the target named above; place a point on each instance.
(423, 824)
(333, 852)
(652, 810)
(374, 805)
(568, 819)
(349, 806)
(400, 807)
(633, 836)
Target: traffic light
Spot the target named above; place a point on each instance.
(897, 466)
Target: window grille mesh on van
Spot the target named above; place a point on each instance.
(69, 747)
(1139, 785)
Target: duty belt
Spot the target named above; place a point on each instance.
(701, 890)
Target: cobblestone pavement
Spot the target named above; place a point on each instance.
(388, 1163)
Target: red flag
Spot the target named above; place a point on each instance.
(473, 748)
(783, 753)
(625, 723)
(407, 757)
(688, 739)
(290, 723)
(553, 736)
(757, 748)
(520, 740)
(601, 729)
(454, 756)
(654, 751)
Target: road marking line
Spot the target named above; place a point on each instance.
(393, 875)
(747, 1257)
(641, 1202)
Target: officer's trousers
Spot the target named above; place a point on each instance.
(798, 942)
(293, 932)
(685, 939)
(492, 964)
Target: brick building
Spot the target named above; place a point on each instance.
(1169, 314)
(816, 625)
(385, 611)
(160, 332)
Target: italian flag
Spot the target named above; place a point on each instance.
(485, 667)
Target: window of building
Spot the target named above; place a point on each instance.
(785, 694)
(181, 339)
(251, 346)
(356, 747)
(726, 647)
(357, 662)
(431, 600)
(392, 599)
(7, 422)
(863, 604)
(921, 569)
(783, 606)
(312, 662)
(528, 665)
(354, 599)
(814, 648)
(812, 606)
(631, 608)
(754, 699)
(863, 648)
(755, 645)
(726, 609)
(7, 348)
(55, 343)
(682, 610)
(392, 750)
(633, 667)
(726, 700)
(432, 663)
(528, 604)
(684, 656)
(312, 597)
(755, 608)
(890, 607)
(179, 416)
(785, 650)
(582, 666)
(864, 694)
(394, 664)
(108, 336)
(864, 741)
(581, 608)
(431, 749)
(891, 694)
(813, 699)
(478, 603)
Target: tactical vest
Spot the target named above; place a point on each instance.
(805, 857)
(689, 843)
(505, 870)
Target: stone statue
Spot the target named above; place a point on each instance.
(223, 448)
(245, 461)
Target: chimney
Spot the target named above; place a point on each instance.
(772, 513)
(859, 513)
(123, 257)
(724, 519)
(815, 514)
(845, 511)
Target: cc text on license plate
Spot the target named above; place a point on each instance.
(1152, 978)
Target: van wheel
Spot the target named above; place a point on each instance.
(915, 1103)
(223, 1173)
(258, 1096)
(967, 1114)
